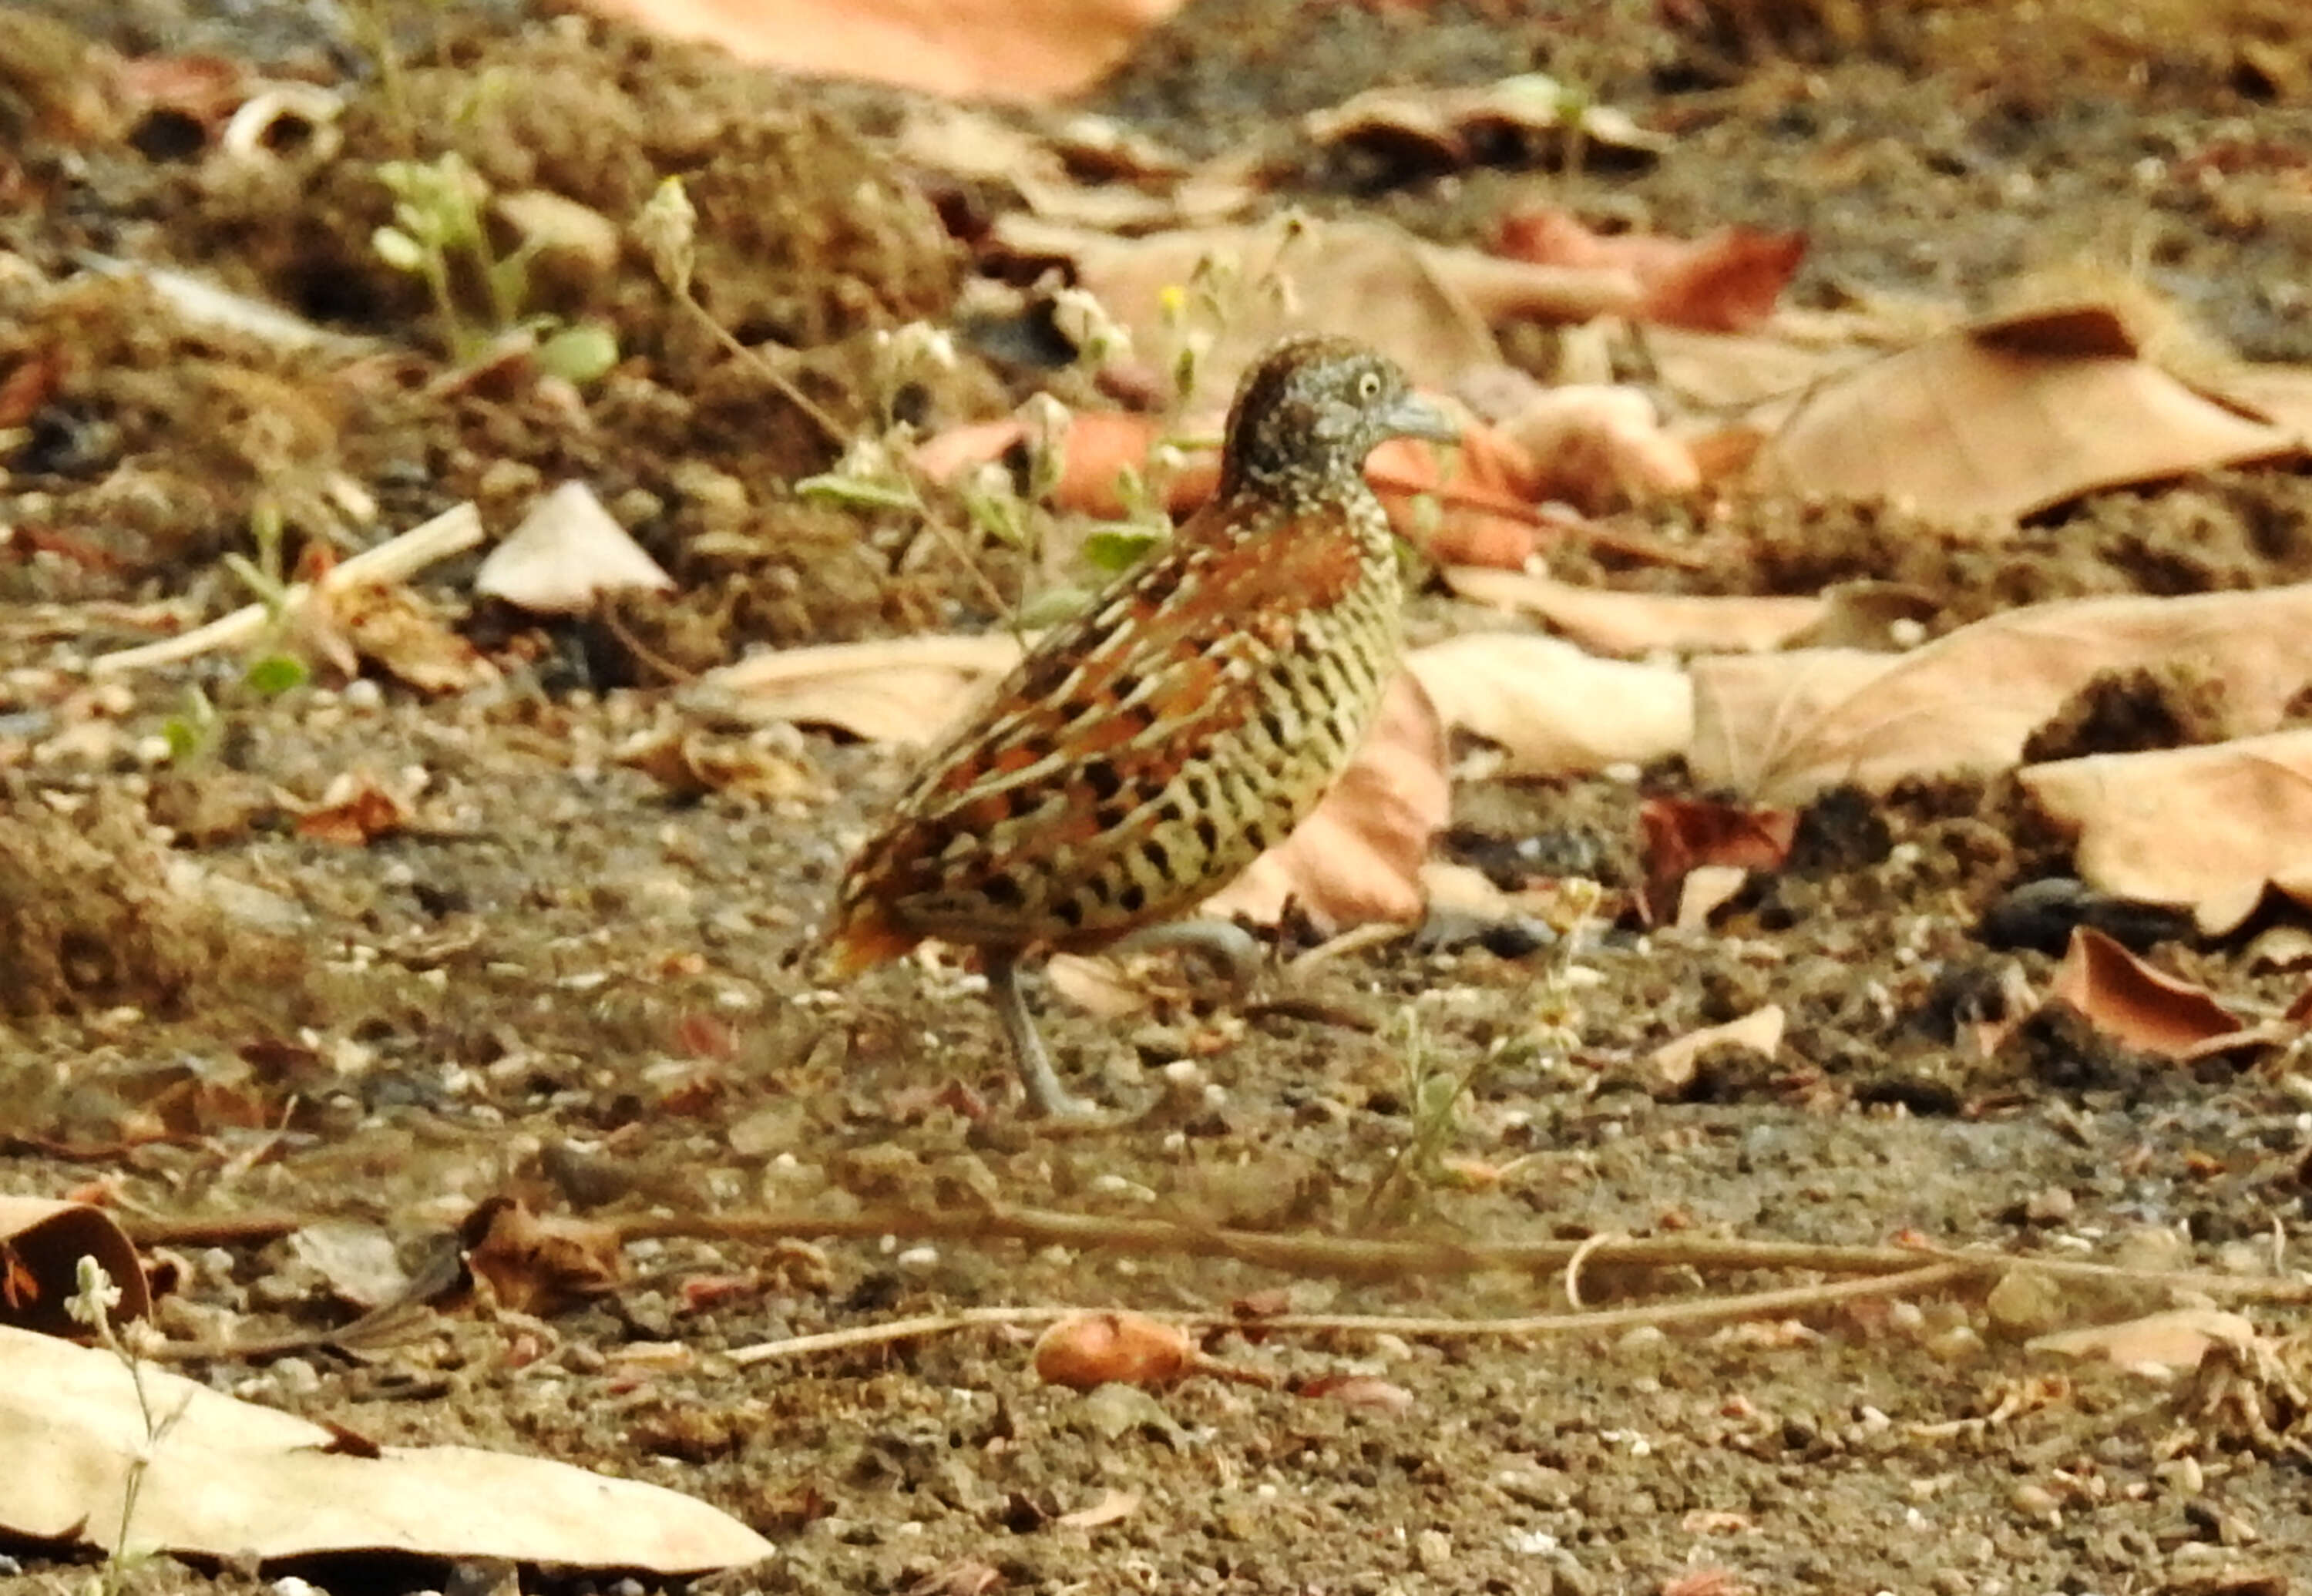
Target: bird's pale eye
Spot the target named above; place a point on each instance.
(1368, 387)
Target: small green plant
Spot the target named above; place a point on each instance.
(91, 1305)
(439, 233)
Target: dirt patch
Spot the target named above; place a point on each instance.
(560, 979)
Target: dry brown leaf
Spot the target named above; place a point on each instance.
(1429, 308)
(1452, 126)
(1608, 621)
(1599, 446)
(2206, 828)
(690, 763)
(353, 813)
(567, 552)
(1553, 708)
(1682, 835)
(1727, 282)
(1358, 856)
(1706, 889)
(1672, 1064)
(2134, 1004)
(41, 1244)
(537, 1264)
(1780, 728)
(231, 1480)
(905, 689)
(1097, 985)
(394, 626)
(2173, 1341)
(1021, 50)
(2008, 418)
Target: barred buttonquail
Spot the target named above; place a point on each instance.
(1143, 754)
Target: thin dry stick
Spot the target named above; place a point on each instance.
(1306, 1254)
(453, 532)
(1705, 1310)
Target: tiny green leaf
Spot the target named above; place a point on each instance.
(582, 353)
(275, 674)
(1119, 548)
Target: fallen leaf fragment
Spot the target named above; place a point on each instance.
(2169, 1343)
(2206, 828)
(1459, 127)
(1605, 620)
(1680, 835)
(1021, 50)
(2134, 1004)
(233, 1480)
(690, 764)
(905, 690)
(1357, 857)
(401, 633)
(1551, 708)
(537, 1264)
(1113, 1508)
(1672, 1064)
(1598, 446)
(353, 813)
(567, 553)
(41, 1244)
(1780, 728)
(2009, 418)
(1727, 282)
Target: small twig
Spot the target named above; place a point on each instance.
(787, 386)
(1582, 1255)
(453, 532)
(1309, 1254)
(1758, 1304)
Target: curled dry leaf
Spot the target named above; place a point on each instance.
(1671, 1066)
(1727, 282)
(1460, 127)
(1782, 727)
(567, 552)
(2007, 418)
(1553, 708)
(41, 1244)
(1358, 856)
(690, 764)
(539, 1264)
(1429, 308)
(1681, 834)
(1021, 50)
(1601, 446)
(1085, 1350)
(906, 689)
(399, 630)
(2134, 1004)
(1605, 621)
(2204, 828)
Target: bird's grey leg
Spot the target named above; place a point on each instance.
(1234, 952)
(1045, 1095)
